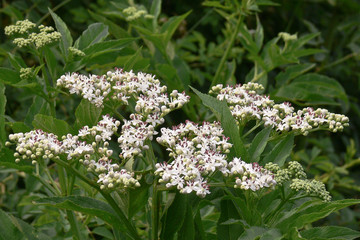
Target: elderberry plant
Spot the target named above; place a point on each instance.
(136, 158)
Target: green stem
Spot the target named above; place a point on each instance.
(155, 213)
(220, 69)
(48, 84)
(258, 76)
(75, 228)
(343, 59)
(252, 129)
(131, 229)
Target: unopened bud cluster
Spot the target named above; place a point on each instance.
(250, 175)
(35, 145)
(246, 104)
(43, 36)
(294, 173)
(152, 101)
(132, 13)
(197, 151)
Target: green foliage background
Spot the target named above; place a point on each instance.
(188, 55)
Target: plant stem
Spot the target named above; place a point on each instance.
(155, 212)
(343, 59)
(227, 51)
(131, 229)
(252, 129)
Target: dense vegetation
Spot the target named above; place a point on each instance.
(301, 52)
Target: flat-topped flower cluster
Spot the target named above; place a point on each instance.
(246, 104)
(37, 145)
(197, 152)
(40, 37)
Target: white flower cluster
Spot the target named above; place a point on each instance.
(37, 144)
(34, 145)
(246, 104)
(197, 150)
(152, 101)
(252, 175)
(45, 36)
(134, 133)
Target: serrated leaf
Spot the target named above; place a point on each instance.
(330, 233)
(66, 39)
(84, 205)
(171, 25)
(313, 88)
(310, 212)
(281, 151)
(95, 33)
(114, 28)
(292, 72)
(51, 125)
(228, 123)
(108, 45)
(258, 144)
(14, 228)
(261, 233)
(86, 114)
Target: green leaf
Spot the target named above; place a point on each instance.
(228, 211)
(171, 25)
(117, 31)
(310, 212)
(14, 228)
(39, 106)
(174, 217)
(330, 233)
(2, 114)
(84, 205)
(19, 127)
(86, 114)
(129, 64)
(51, 125)
(66, 39)
(110, 45)
(258, 144)
(261, 234)
(228, 123)
(187, 231)
(16, 61)
(95, 33)
(313, 88)
(281, 151)
(259, 33)
(138, 198)
(292, 72)
(7, 159)
(51, 62)
(247, 40)
(9, 76)
(155, 11)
